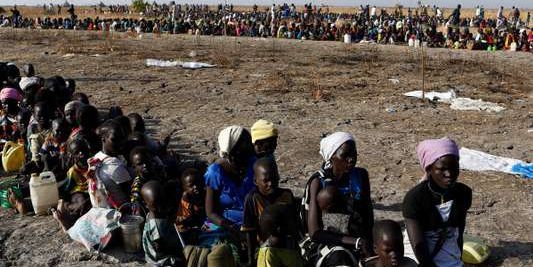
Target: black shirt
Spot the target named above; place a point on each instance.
(419, 204)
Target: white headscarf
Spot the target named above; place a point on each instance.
(330, 144)
(26, 82)
(227, 139)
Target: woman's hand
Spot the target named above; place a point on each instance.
(365, 248)
(416, 237)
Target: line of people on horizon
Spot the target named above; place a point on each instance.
(427, 25)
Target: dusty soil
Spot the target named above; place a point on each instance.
(308, 89)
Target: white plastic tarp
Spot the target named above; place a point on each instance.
(462, 103)
(445, 97)
(475, 160)
(457, 103)
(168, 63)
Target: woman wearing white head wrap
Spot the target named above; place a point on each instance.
(352, 200)
(330, 144)
(26, 82)
(71, 110)
(228, 180)
(227, 139)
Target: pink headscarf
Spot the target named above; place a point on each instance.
(429, 151)
(10, 93)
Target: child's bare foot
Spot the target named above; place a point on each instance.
(59, 218)
(61, 207)
(15, 202)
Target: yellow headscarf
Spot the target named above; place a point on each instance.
(263, 129)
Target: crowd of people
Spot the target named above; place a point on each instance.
(423, 24)
(233, 211)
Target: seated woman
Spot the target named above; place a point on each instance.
(228, 181)
(10, 98)
(352, 183)
(435, 210)
(88, 121)
(109, 183)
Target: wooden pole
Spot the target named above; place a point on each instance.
(423, 73)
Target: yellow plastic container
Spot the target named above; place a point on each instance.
(13, 157)
(474, 250)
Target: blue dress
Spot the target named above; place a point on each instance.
(231, 195)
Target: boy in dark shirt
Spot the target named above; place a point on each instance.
(265, 194)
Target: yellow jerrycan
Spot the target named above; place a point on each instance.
(43, 192)
(12, 157)
(475, 251)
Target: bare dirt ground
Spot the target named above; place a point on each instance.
(308, 89)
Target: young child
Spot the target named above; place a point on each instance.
(160, 240)
(41, 114)
(138, 127)
(74, 200)
(23, 119)
(144, 170)
(71, 110)
(28, 70)
(78, 154)
(190, 212)
(71, 86)
(265, 194)
(279, 248)
(136, 122)
(53, 150)
(388, 245)
(264, 138)
(79, 96)
(329, 199)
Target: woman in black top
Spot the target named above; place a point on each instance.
(435, 210)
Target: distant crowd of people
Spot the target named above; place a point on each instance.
(424, 24)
